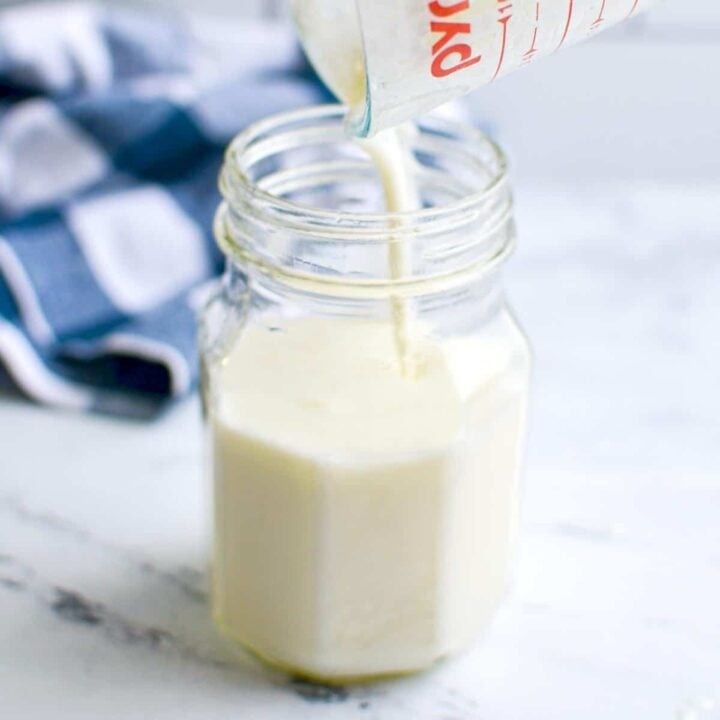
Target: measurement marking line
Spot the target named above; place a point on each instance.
(567, 24)
(504, 20)
(532, 50)
(600, 19)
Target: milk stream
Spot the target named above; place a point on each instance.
(395, 165)
(338, 58)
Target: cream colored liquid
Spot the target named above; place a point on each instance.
(363, 520)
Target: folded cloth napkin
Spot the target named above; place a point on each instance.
(112, 128)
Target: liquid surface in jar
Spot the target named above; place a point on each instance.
(363, 521)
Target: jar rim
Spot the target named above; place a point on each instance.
(346, 252)
(236, 181)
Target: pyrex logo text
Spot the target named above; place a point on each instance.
(449, 53)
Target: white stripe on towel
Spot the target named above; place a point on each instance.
(33, 377)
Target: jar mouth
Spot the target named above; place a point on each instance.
(292, 183)
(237, 182)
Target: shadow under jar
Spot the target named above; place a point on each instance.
(365, 427)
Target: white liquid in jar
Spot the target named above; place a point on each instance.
(363, 520)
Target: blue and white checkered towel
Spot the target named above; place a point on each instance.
(112, 127)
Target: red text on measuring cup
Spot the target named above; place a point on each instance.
(449, 55)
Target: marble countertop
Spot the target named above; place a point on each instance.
(615, 611)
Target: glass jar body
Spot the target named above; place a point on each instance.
(355, 537)
(364, 515)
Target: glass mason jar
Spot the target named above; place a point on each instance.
(366, 424)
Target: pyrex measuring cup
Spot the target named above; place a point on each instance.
(392, 61)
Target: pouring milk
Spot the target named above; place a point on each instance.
(366, 470)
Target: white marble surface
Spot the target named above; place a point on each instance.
(616, 607)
